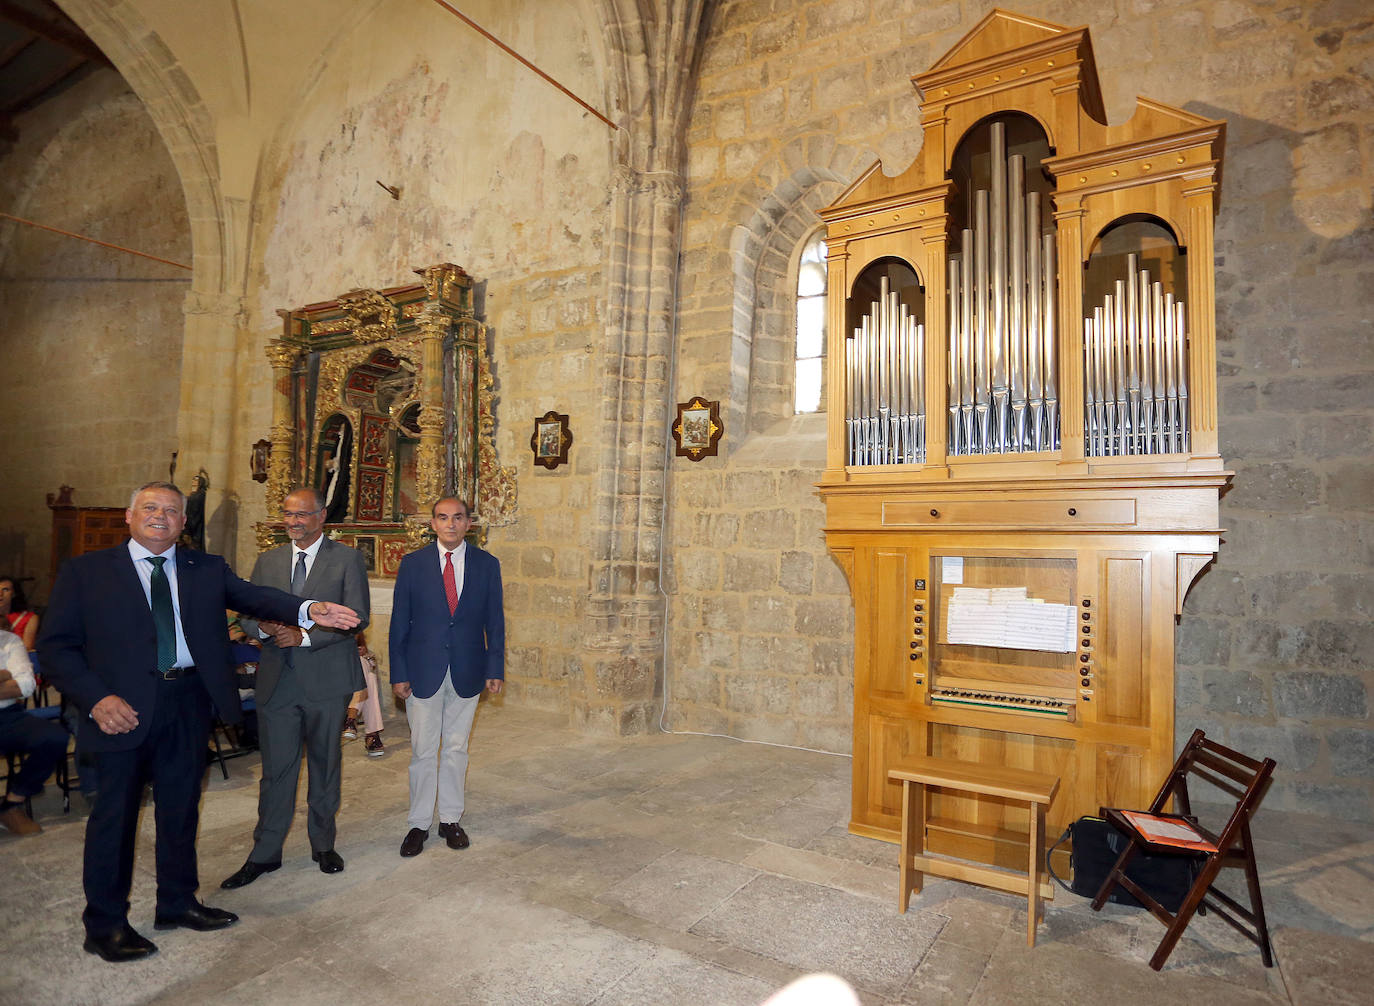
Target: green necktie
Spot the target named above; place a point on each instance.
(163, 616)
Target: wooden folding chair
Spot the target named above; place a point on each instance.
(1155, 832)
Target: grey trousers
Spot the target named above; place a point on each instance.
(287, 724)
(439, 729)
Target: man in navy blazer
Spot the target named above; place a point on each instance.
(135, 635)
(447, 642)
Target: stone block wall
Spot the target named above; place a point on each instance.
(549, 330)
(1274, 645)
(506, 180)
(91, 338)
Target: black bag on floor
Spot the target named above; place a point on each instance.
(1097, 845)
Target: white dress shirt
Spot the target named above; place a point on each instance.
(15, 659)
(310, 552)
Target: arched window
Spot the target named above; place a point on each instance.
(811, 324)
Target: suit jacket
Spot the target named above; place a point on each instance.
(329, 666)
(98, 637)
(426, 641)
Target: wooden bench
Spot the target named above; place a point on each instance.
(1035, 789)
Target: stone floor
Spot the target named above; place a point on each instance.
(660, 870)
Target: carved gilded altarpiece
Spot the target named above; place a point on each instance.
(383, 400)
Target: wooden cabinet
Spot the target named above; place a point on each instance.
(80, 529)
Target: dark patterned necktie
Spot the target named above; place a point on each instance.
(450, 583)
(298, 575)
(163, 615)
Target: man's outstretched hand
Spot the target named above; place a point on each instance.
(333, 616)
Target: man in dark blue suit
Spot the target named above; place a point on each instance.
(447, 642)
(135, 635)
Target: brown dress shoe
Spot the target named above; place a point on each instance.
(454, 835)
(14, 818)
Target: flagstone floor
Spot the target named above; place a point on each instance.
(667, 869)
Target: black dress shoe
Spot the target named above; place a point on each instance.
(329, 860)
(454, 835)
(201, 918)
(121, 945)
(414, 842)
(248, 872)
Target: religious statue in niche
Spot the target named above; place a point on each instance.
(336, 457)
(407, 463)
(194, 532)
(384, 400)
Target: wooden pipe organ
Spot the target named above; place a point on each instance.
(1022, 474)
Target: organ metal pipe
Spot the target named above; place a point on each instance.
(1131, 336)
(1181, 352)
(1048, 343)
(955, 341)
(980, 359)
(1147, 392)
(1016, 299)
(1035, 385)
(1157, 358)
(997, 334)
(966, 344)
(851, 446)
(1089, 392)
(1116, 323)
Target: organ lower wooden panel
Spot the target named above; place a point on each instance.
(1109, 750)
(1124, 652)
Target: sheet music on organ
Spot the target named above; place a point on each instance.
(1007, 617)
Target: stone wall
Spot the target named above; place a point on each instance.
(507, 180)
(1274, 643)
(91, 339)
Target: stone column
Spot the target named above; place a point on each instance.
(616, 676)
(621, 666)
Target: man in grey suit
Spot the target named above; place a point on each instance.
(304, 683)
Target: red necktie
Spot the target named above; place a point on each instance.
(450, 583)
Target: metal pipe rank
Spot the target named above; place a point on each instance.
(885, 421)
(1002, 379)
(1135, 365)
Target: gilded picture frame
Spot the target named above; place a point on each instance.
(698, 429)
(551, 440)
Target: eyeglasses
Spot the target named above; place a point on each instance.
(300, 514)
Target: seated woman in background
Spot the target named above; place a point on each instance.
(15, 607)
(369, 701)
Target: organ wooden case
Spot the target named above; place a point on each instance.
(1022, 474)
